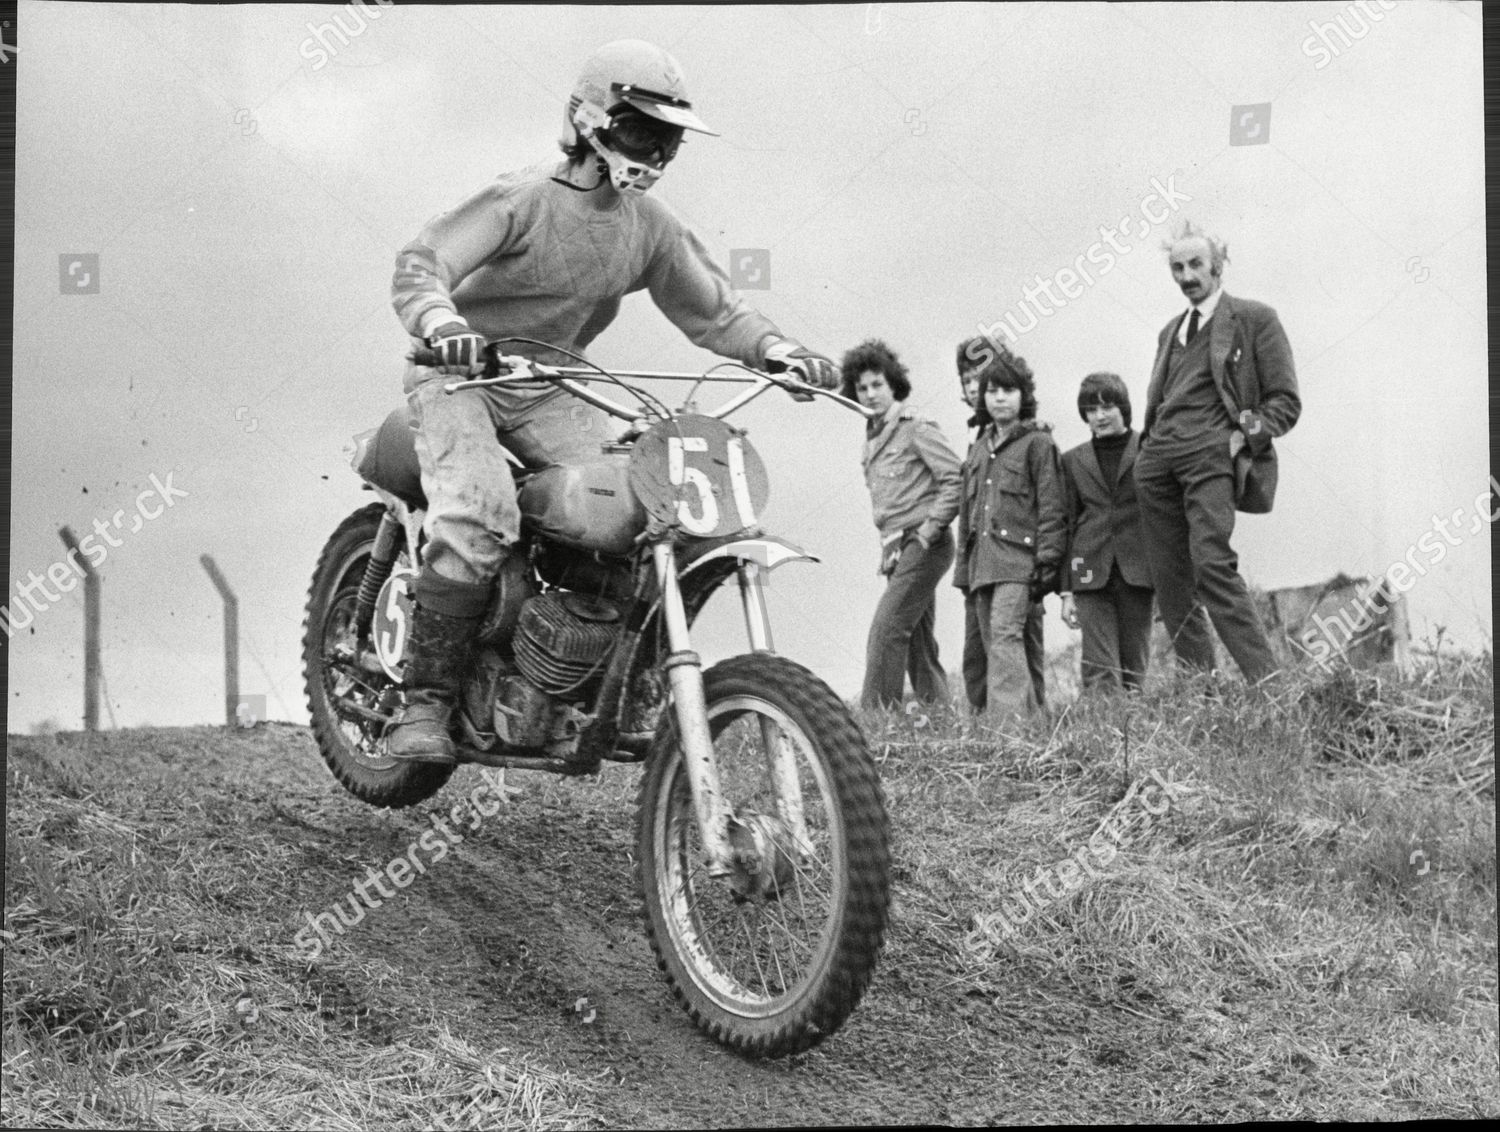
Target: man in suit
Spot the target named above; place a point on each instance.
(1106, 575)
(1223, 380)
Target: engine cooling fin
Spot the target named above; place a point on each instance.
(563, 641)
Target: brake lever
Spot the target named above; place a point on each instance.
(805, 391)
(516, 369)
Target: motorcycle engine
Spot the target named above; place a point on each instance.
(563, 640)
(562, 643)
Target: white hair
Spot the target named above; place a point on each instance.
(1218, 250)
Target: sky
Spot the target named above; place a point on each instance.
(210, 198)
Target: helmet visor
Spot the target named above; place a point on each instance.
(673, 111)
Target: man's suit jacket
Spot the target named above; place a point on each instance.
(1104, 521)
(1250, 358)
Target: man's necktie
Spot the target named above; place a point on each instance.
(1192, 326)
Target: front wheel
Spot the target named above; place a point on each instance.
(774, 957)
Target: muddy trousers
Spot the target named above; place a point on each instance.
(462, 440)
(1187, 517)
(902, 637)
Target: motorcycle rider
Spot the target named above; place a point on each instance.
(546, 252)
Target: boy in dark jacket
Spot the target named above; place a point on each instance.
(975, 664)
(1012, 526)
(1107, 581)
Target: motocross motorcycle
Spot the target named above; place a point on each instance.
(762, 845)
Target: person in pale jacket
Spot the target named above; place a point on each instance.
(913, 477)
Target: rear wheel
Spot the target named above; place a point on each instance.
(773, 958)
(350, 699)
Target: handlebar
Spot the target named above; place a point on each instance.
(503, 369)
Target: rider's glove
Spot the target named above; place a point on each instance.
(786, 356)
(459, 350)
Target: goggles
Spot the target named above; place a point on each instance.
(641, 137)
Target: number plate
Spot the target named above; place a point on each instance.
(700, 474)
(391, 628)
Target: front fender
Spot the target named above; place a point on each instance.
(766, 551)
(702, 569)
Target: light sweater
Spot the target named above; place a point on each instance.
(526, 255)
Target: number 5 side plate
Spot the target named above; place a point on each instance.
(699, 474)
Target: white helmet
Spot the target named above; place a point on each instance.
(631, 106)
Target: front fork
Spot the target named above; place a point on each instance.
(685, 676)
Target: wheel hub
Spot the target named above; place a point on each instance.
(764, 857)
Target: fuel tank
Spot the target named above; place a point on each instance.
(590, 506)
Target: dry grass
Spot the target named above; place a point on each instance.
(1308, 930)
(1311, 927)
(150, 980)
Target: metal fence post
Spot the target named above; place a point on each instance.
(231, 639)
(91, 602)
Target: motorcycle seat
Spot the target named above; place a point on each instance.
(389, 460)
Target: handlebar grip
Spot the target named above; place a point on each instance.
(424, 355)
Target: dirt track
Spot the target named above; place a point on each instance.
(538, 909)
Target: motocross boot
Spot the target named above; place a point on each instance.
(445, 618)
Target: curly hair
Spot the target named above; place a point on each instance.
(873, 354)
(1104, 389)
(1006, 371)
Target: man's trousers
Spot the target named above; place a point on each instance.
(1003, 612)
(902, 637)
(1116, 624)
(976, 665)
(1187, 516)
